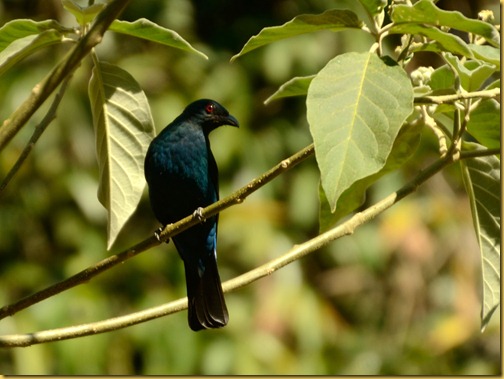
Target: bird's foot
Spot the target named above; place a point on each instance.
(198, 213)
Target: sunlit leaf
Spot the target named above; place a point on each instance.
(23, 47)
(124, 129)
(487, 53)
(365, 10)
(375, 10)
(355, 107)
(148, 30)
(442, 78)
(83, 15)
(482, 182)
(295, 87)
(334, 20)
(472, 73)
(426, 12)
(444, 41)
(404, 147)
(17, 29)
(20, 38)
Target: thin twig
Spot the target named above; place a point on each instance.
(43, 90)
(39, 129)
(479, 153)
(443, 99)
(169, 231)
(437, 129)
(297, 252)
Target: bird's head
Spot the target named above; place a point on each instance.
(210, 114)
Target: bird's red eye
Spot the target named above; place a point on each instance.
(210, 108)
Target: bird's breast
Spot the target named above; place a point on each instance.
(178, 177)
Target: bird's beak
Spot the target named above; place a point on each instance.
(232, 121)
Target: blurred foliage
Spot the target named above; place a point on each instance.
(400, 296)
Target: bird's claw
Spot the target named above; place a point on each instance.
(198, 213)
(157, 234)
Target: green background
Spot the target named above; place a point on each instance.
(399, 296)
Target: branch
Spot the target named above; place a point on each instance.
(43, 90)
(239, 196)
(494, 92)
(168, 231)
(39, 129)
(297, 252)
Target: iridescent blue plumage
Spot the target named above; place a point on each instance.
(182, 176)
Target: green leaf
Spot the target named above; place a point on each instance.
(472, 73)
(484, 123)
(20, 38)
(145, 29)
(487, 53)
(297, 86)
(426, 12)
(442, 78)
(83, 15)
(374, 7)
(124, 129)
(405, 145)
(445, 41)
(355, 107)
(23, 47)
(18, 29)
(494, 84)
(334, 20)
(482, 182)
(375, 10)
(365, 10)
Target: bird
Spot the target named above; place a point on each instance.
(182, 177)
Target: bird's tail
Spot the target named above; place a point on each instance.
(207, 308)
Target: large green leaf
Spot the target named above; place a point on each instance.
(145, 29)
(355, 107)
(297, 86)
(426, 12)
(482, 182)
(20, 38)
(404, 147)
(333, 19)
(485, 123)
(124, 129)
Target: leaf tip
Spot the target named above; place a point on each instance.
(234, 57)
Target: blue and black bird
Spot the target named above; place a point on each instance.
(182, 176)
